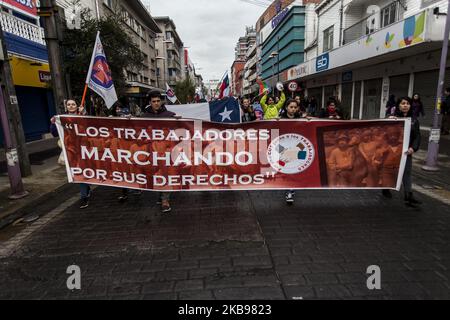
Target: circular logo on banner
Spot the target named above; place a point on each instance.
(293, 86)
(291, 154)
(101, 74)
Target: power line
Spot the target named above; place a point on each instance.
(258, 3)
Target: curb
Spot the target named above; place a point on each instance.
(65, 191)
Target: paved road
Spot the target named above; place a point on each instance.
(232, 245)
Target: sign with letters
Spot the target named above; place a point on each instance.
(323, 62)
(192, 155)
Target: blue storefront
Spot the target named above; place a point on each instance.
(31, 77)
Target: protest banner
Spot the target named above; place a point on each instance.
(193, 155)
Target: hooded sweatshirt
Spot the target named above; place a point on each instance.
(272, 111)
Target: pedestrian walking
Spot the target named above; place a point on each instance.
(72, 108)
(391, 106)
(417, 107)
(156, 109)
(445, 110)
(311, 108)
(270, 108)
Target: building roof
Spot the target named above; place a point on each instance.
(167, 20)
(322, 5)
(143, 13)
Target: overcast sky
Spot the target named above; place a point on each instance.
(211, 28)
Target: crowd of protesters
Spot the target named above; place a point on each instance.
(270, 107)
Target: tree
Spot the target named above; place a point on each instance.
(122, 53)
(185, 90)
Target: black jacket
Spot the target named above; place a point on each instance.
(248, 116)
(415, 137)
(162, 113)
(284, 115)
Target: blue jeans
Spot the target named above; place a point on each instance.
(85, 190)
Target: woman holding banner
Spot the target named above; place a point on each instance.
(404, 110)
(72, 108)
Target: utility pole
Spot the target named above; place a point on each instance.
(11, 114)
(49, 12)
(11, 123)
(433, 146)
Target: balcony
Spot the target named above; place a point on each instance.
(374, 21)
(22, 29)
(174, 64)
(417, 33)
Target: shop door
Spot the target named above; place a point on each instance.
(399, 86)
(357, 104)
(346, 100)
(372, 99)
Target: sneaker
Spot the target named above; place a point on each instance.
(289, 198)
(122, 199)
(411, 200)
(159, 202)
(387, 194)
(84, 203)
(165, 207)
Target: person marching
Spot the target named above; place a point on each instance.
(292, 111)
(270, 108)
(72, 108)
(248, 114)
(404, 110)
(331, 112)
(156, 109)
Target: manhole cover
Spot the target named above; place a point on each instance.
(30, 219)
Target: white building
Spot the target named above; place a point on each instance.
(250, 74)
(367, 50)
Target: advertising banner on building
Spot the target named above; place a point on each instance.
(191, 155)
(28, 6)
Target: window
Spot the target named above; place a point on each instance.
(389, 14)
(328, 39)
(108, 3)
(168, 35)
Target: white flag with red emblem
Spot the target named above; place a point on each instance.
(99, 77)
(171, 94)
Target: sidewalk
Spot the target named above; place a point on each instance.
(49, 180)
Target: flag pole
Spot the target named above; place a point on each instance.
(83, 100)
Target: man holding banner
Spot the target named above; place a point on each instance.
(156, 109)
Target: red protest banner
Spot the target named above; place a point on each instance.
(189, 155)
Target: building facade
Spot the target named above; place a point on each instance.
(245, 43)
(284, 30)
(140, 26)
(250, 87)
(170, 53)
(366, 51)
(237, 78)
(26, 49)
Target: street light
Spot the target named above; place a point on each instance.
(164, 69)
(272, 56)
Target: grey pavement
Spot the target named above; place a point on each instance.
(234, 245)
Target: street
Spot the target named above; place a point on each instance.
(231, 245)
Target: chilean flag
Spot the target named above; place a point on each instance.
(99, 77)
(225, 87)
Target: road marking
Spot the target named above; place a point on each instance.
(16, 242)
(440, 195)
